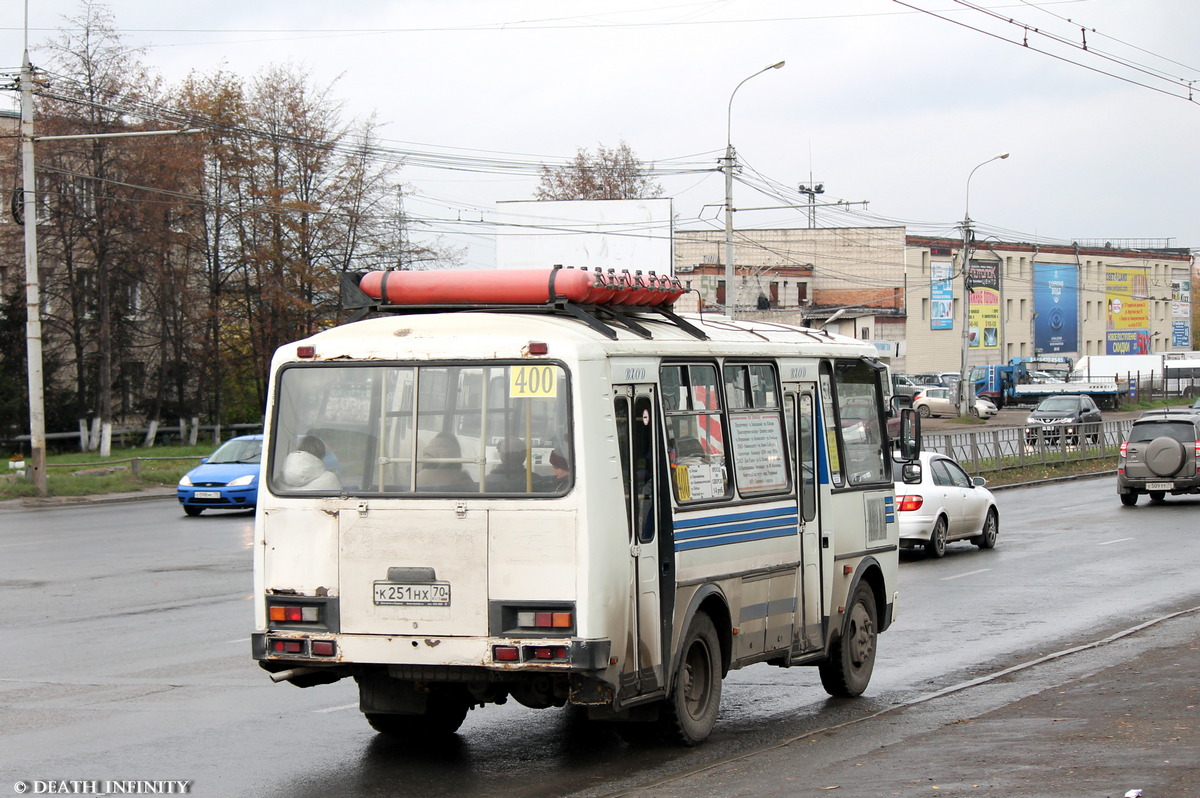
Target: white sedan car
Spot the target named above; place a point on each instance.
(933, 401)
(946, 505)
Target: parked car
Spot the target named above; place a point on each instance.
(946, 379)
(1196, 405)
(1160, 456)
(904, 385)
(225, 480)
(1069, 418)
(936, 401)
(947, 505)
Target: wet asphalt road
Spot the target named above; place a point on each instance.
(126, 655)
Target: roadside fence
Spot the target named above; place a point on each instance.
(994, 449)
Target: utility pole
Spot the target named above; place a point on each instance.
(966, 393)
(33, 302)
(730, 160)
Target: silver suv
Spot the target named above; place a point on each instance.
(1161, 456)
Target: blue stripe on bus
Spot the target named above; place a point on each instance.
(725, 529)
(725, 540)
(705, 520)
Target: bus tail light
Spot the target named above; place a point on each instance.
(290, 613)
(535, 619)
(506, 653)
(909, 503)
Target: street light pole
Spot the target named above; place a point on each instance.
(730, 288)
(965, 391)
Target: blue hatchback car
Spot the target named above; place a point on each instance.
(226, 480)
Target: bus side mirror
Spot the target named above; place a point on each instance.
(910, 435)
(910, 473)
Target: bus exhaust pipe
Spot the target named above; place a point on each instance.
(291, 673)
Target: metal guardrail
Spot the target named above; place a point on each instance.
(135, 463)
(999, 448)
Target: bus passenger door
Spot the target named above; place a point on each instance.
(808, 490)
(637, 423)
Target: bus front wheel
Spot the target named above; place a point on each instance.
(852, 657)
(691, 710)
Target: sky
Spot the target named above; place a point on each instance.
(889, 105)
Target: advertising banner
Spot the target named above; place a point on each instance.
(1128, 312)
(1181, 314)
(941, 295)
(984, 327)
(1056, 303)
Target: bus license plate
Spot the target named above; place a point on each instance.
(1160, 485)
(423, 594)
(208, 494)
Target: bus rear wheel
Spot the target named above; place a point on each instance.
(847, 672)
(443, 714)
(691, 710)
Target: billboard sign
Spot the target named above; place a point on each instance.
(984, 327)
(941, 295)
(1056, 303)
(1128, 313)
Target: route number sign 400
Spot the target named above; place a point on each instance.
(533, 381)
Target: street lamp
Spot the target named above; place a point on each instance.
(965, 392)
(730, 289)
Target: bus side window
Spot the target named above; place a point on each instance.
(643, 470)
(621, 415)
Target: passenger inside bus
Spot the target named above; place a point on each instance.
(510, 475)
(441, 467)
(562, 472)
(305, 468)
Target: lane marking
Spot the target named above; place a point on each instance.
(239, 640)
(338, 709)
(968, 573)
(1110, 542)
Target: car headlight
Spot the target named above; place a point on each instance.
(246, 480)
(184, 482)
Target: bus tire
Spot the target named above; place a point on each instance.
(847, 672)
(691, 709)
(442, 717)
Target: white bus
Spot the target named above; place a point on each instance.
(592, 505)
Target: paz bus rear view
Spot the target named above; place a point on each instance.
(546, 485)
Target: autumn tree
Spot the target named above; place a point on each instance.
(98, 242)
(609, 174)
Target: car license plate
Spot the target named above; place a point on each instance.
(421, 594)
(1160, 485)
(208, 494)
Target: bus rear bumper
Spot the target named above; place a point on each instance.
(399, 652)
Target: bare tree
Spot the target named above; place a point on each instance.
(609, 174)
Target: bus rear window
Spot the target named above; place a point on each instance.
(430, 429)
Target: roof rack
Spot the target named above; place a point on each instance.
(624, 299)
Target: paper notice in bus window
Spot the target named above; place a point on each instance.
(758, 451)
(705, 481)
(533, 381)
